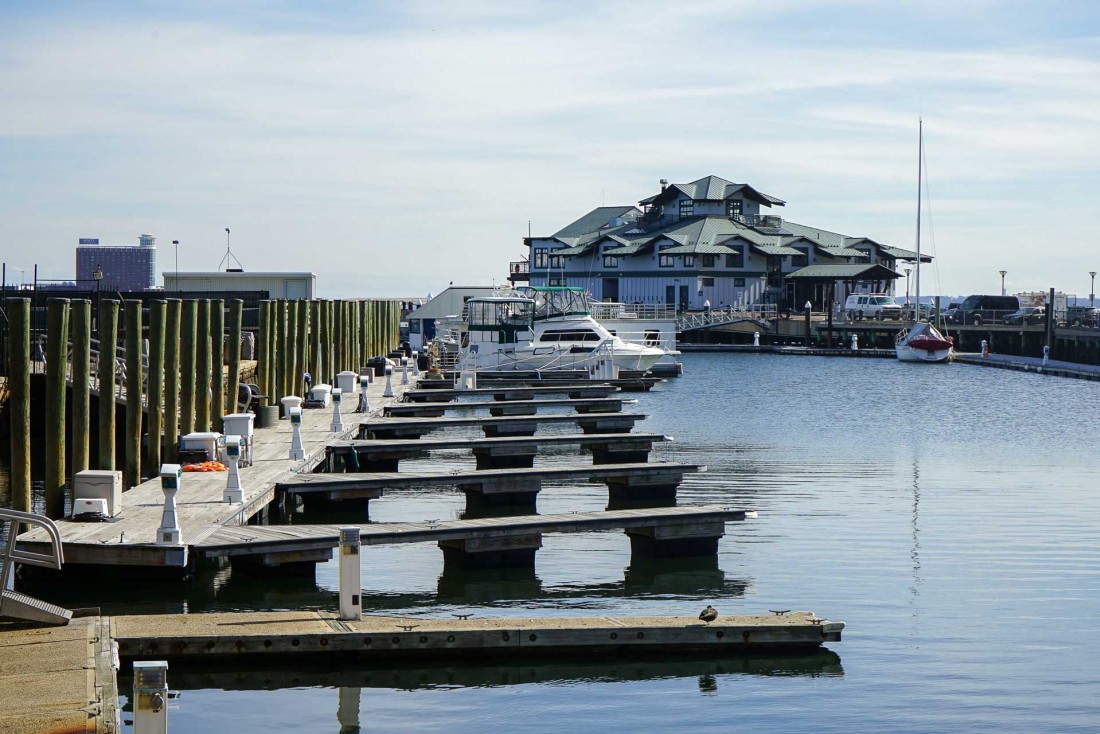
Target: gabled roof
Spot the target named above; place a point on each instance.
(846, 271)
(585, 228)
(900, 254)
(713, 188)
(776, 250)
(700, 250)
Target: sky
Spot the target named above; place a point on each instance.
(393, 148)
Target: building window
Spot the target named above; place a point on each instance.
(733, 208)
(709, 260)
(689, 261)
(687, 208)
(540, 257)
(666, 261)
(555, 281)
(738, 282)
(735, 260)
(555, 262)
(610, 261)
(800, 261)
(708, 282)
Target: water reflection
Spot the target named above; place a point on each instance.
(442, 675)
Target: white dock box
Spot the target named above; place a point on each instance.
(321, 393)
(206, 441)
(98, 484)
(238, 424)
(347, 382)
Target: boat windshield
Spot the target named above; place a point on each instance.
(496, 312)
(551, 302)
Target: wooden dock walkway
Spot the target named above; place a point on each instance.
(441, 394)
(58, 679)
(1054, 367)
(506, 407)
(494, 426)
(626, 483)
(129, 539)
(490, 453)
(298, 635)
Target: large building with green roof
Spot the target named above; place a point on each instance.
(710, 242)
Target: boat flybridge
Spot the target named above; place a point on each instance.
(546, 328)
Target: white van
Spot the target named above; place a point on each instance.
(878, 306)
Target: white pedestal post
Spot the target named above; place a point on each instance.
(233, 492)
(337, 419)
(297, 450)
(171, 476)
(351, 587)
(388, 392)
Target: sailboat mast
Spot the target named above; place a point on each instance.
(920, 162)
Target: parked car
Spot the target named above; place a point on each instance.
(871, 306)
(910, 310)
(1082, 316)
(983, 309)
(1028, 316)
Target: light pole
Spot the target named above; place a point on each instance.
(1092, 287)
(176, 244)
(1003, 273)
(907, 271)
(97, 276)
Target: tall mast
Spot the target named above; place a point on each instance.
(920, 161)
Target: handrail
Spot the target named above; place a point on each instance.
(52, 560)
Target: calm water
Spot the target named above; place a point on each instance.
(948, 514)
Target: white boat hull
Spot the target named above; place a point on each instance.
(907, 353)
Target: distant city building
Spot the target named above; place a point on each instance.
(277, 285)
(124, 267)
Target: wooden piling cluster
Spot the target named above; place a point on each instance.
(322, 338)
(178, 371)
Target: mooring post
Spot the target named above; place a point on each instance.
(233, 380)
(57, 365)
(81, 316)
(133, 394)
(202, 368)
(286, 348)
(172, 381)
(158, 313)
(108, 343)
(263, 363)
(217, 363)
(327, 373)
(189, 316)
(19, 400)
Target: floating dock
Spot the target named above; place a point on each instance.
(270, 635)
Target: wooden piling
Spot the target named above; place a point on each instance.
(171, 383)
(302, 335)
(293, 368)
(189, 316)
(217, 362)
(158, 313)
(316, 365)
(108, 340)
(134, 374)
(286, 349)
(81, 317)
(202, 367)
(19, 400)
(326, 341)
(263, 351)
(233, 380)
(57, 365)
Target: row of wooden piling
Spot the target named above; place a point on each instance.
(320, 338)
(183, 378)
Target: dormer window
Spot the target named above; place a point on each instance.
(733, 208)
(687, 208)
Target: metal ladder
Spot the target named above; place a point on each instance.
(16, 604)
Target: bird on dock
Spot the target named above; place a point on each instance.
(709, 614)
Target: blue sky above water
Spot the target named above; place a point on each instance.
(421, 137)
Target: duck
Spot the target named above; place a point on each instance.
(709, 614)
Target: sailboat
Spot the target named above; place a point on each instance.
(922, 342)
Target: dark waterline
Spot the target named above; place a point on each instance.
(948, 514)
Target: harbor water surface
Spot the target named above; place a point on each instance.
(949, 514)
